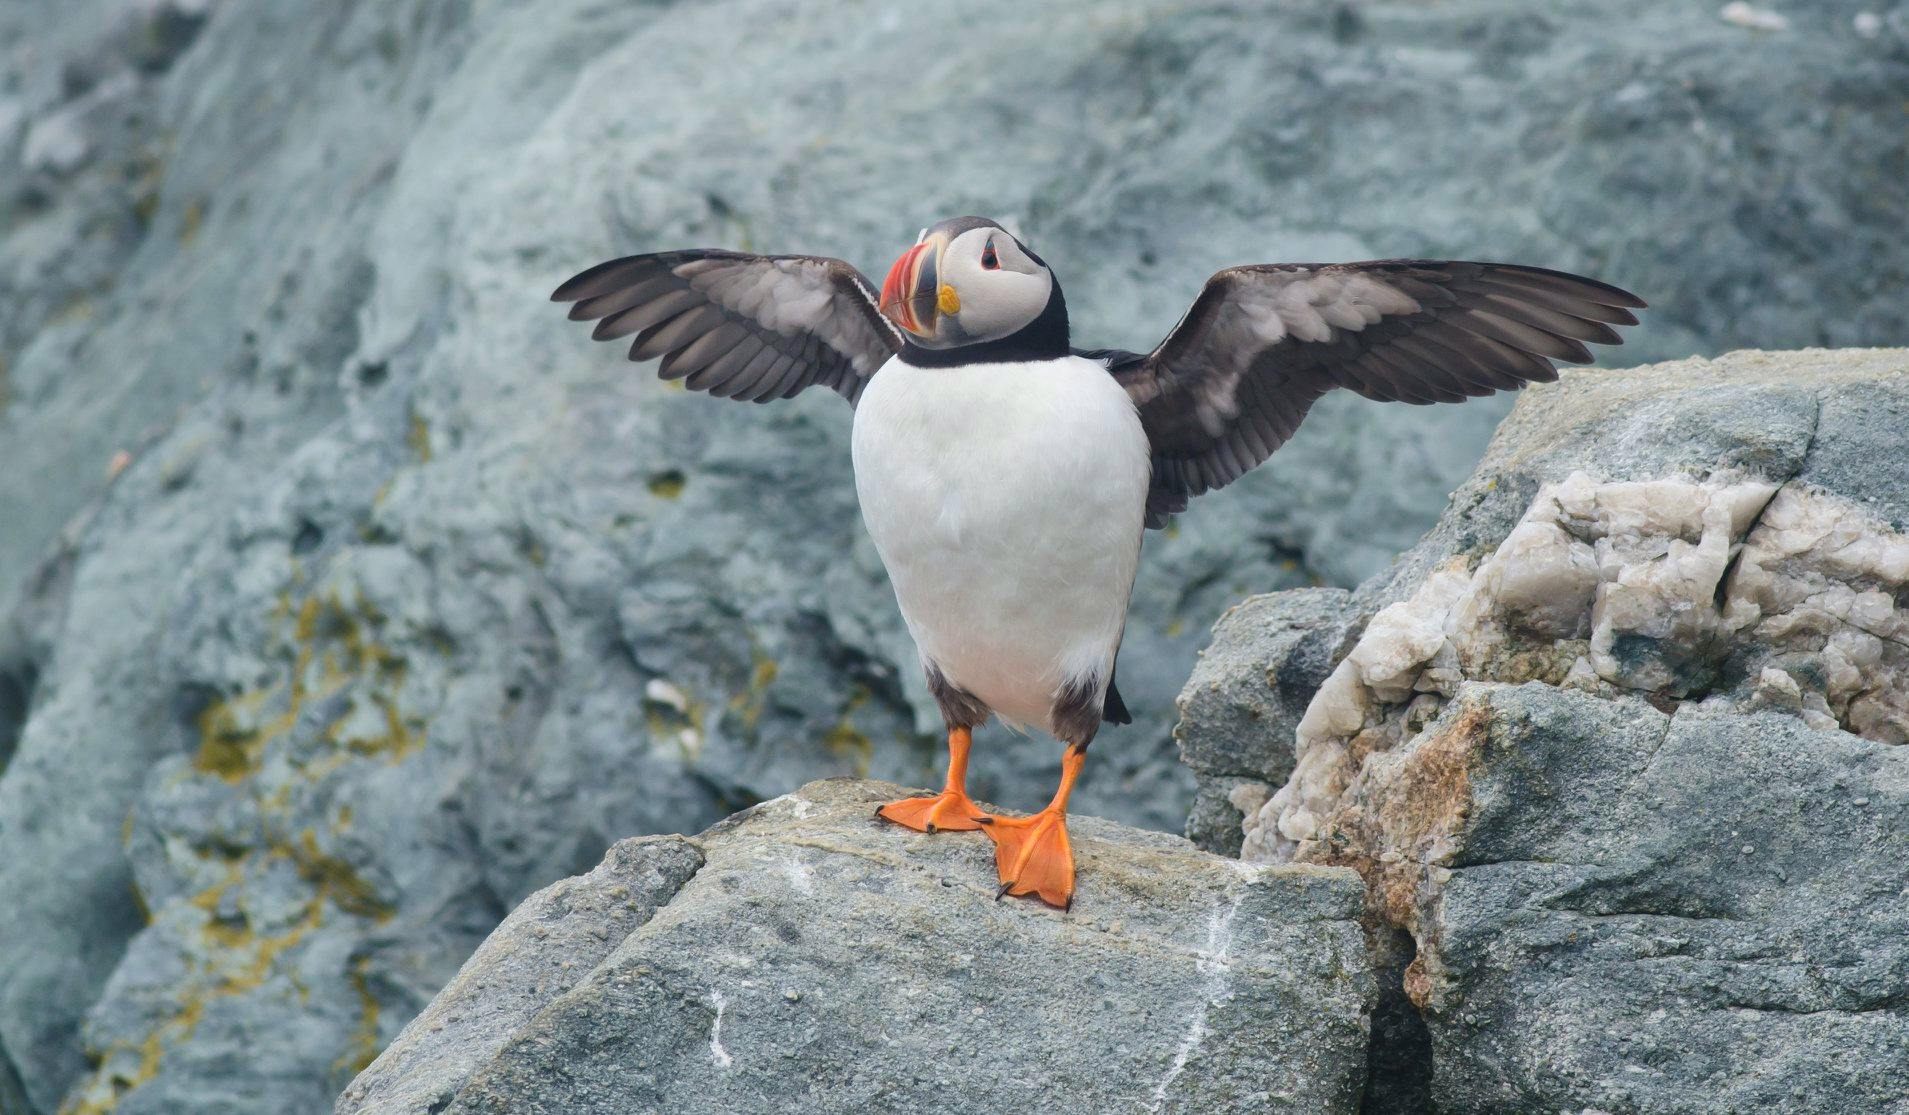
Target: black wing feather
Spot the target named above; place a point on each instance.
(736, 325)
(1261, 344)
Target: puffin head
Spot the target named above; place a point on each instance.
(969, 291)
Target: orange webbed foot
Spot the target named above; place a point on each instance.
(1033, 856)
(947, 811)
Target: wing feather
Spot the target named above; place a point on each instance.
(1262, 343)
(736, 325)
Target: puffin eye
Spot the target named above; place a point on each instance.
(989, 261)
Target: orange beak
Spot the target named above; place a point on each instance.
(911, 291)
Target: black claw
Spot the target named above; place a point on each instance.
(930, 829)
(982, 820)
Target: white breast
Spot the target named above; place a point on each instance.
(1007, 502)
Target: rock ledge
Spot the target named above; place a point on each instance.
(802, 951)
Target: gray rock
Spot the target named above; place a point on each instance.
(1242, 704)
(1619, 910)
(1618, 750)
(823, 959)
(548, 945)
(377, 599)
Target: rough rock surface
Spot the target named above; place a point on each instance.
(351, 597)
(1618, 745)
(804, 953)
(1241, 707)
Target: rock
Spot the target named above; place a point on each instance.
(1620, 910)
(543, 950)
(803, 953)
(377, 598)
(1242, 705)
(1618, 746)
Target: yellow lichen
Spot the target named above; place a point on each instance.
(419, 438)
(249, 957)
(231, 735)
(363, 1046)
(748, 703)
(846, 740)
(189, 222)
(668, 484)
(331, 654)
(126, 1066)
(338, 880)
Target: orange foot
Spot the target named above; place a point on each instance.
(947, 811)
(1033, 856)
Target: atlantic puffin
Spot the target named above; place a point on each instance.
(1007, 477)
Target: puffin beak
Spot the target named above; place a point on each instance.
(912, 295)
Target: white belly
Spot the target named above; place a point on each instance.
(1007, 502)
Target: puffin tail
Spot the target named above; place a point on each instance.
(1114, 710)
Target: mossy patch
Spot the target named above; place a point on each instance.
(190, 222)
(331, 654)
(668, 484)
(749, 703)
(418, 438)
(364, 1045)
(123, 1068)
(338, 880)
(845, 740)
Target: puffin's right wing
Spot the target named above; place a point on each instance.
(1233, 380)
(739, 326)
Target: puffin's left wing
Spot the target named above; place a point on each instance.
(739, 326)
(1233, 380)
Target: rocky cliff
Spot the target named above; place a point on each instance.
(1619, 754)
(1618, 749)
(349, 598)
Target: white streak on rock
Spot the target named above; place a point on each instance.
(716, 1051)
(1739, 14)
(1215, 964)
(799, 874)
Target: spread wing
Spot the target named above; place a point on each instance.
(739, 326)
(1236, 376)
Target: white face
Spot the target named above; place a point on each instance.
(976, 286)
(1000, 288)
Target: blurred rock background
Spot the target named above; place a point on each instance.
(347, 595)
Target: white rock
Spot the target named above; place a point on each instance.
(1756, 19)
(1632, 576)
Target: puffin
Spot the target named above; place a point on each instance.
(1007, 477)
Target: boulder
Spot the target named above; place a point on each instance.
(1618, 747)
(1616, 909)
(804, 954)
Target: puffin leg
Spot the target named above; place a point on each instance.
(951, 810)
(1032, 854)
